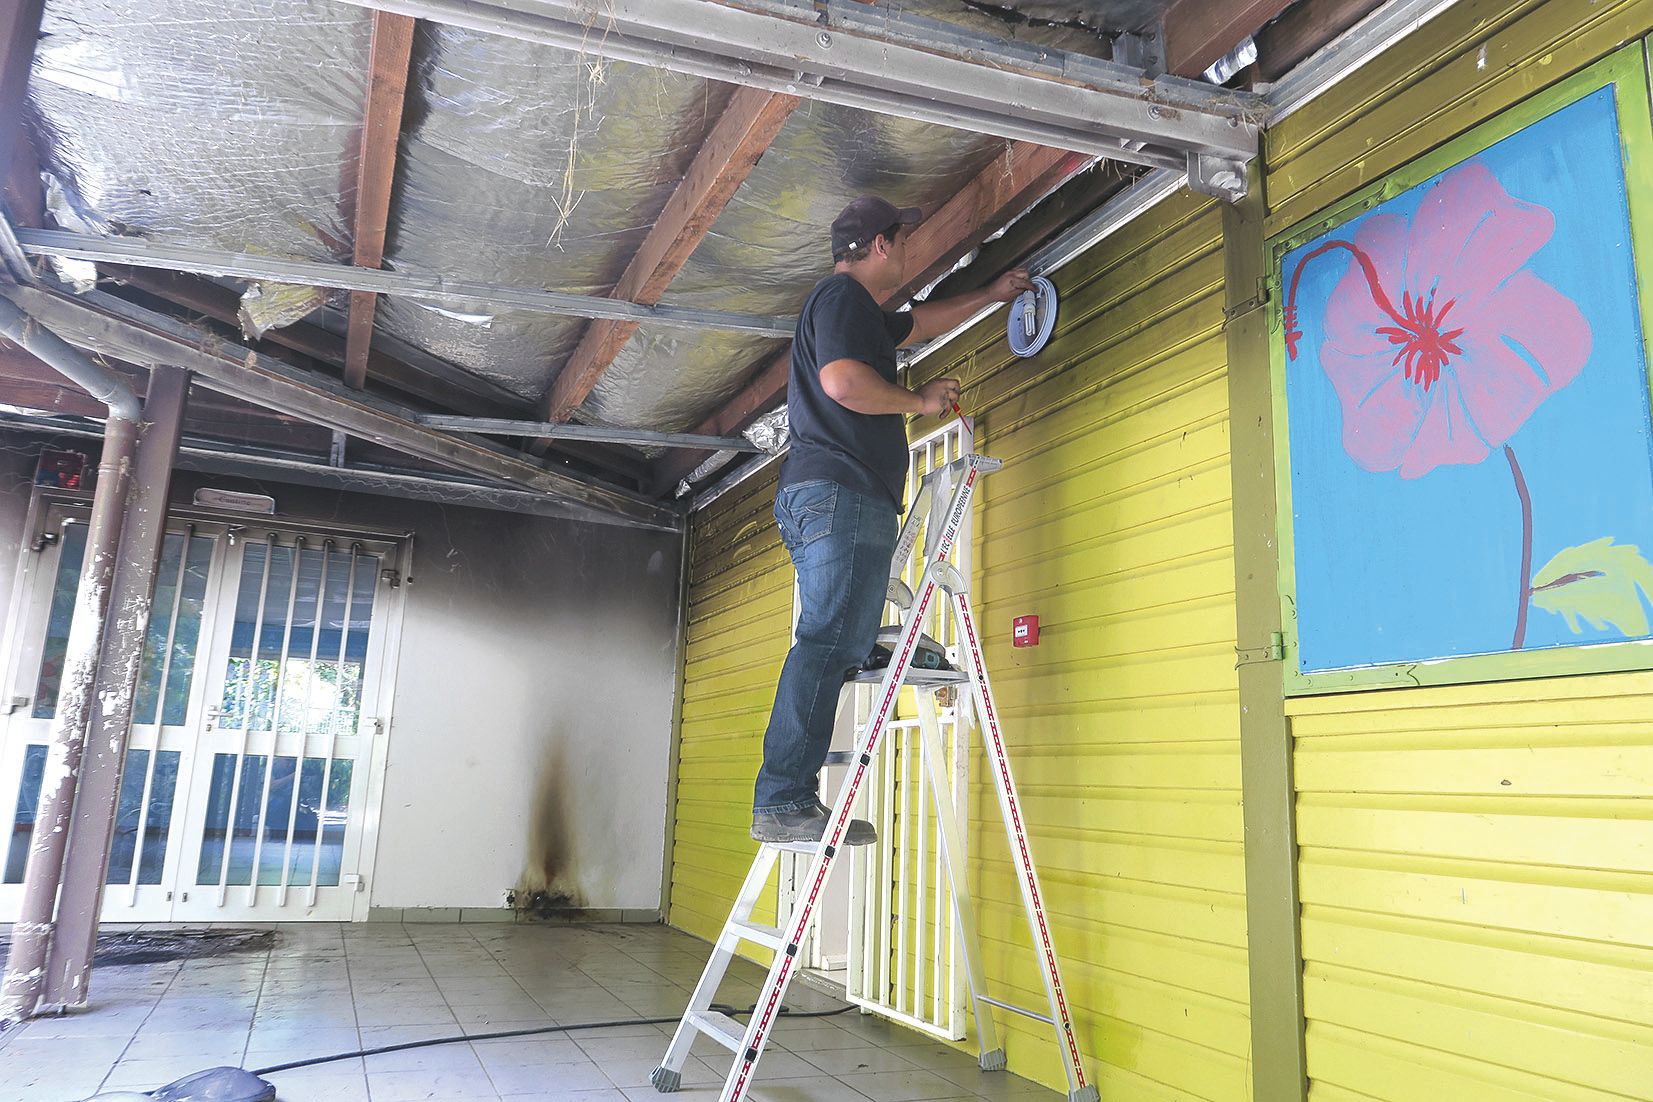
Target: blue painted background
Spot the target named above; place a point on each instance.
(1393, 570)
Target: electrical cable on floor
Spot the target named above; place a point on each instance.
(722, 1008)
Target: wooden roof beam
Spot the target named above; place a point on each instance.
(739, 137)
(1199, 33)
(1015, 180)
(387, 84)
(19, 165)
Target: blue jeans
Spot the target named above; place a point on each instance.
(841, 542)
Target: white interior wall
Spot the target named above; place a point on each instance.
(531, 717)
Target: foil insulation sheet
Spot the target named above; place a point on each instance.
(238, 128)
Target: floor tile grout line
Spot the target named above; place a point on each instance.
(470, 1046)
(139, 1027)
(355, 1014)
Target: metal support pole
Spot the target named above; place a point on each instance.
(20, 988)
(69, 964)
(31, 937)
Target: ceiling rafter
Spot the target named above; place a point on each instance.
(19, 165)
(1198, 33)
(732, 148)
(1011, 183)
(389, 57)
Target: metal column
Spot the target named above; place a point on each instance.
(69, 965)
(32, 933)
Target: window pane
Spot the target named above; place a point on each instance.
(239, 833)
(333, 816)
(213, 833)
(155, 826)
(318, 842)
(187, 602)
(28, 802)
(57, 625)
(159, 824)
(128, 811)
(255, 650)
(299, 681)
(277, 809)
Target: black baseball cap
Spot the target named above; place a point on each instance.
(867, 217)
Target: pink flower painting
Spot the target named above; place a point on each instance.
(1439, 341)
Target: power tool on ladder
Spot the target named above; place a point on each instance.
(946, 494)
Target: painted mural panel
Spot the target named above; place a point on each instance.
(1466, 396)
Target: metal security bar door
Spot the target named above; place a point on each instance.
(143, 859)
(277, 807)
(904, 945)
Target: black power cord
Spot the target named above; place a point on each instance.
(722, 1008)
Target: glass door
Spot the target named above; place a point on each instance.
(167, 706)
(276, 822)
(257, 730)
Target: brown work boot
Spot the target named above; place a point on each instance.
(807, 825)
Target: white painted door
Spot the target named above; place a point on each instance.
(168, 700)
(277, 824)
(178, 853)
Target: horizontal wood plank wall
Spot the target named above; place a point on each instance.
(740, 625)
(1111, 522)
(1476, 863)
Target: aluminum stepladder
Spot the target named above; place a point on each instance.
(946, 493)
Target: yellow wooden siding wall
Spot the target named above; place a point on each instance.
(1111, 521)
(740, 625)
(1477, 862)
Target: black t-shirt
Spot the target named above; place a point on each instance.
(866, 452)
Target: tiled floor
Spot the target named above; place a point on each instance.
(337, 988)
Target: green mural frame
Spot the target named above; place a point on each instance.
(1626, 72)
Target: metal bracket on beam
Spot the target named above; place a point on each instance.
(1221, 177)
(1140, 51)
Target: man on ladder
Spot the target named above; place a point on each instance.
(839, 501)
(840, 491)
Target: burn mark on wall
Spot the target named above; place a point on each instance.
(549, 881)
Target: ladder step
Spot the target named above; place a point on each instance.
(1023, 1011)
(840, 757)
(719, 1027)
(769, 937)
(917, 679)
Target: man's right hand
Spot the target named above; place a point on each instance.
(938, 396)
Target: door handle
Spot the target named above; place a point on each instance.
(213, 714)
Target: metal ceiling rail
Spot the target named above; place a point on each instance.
(850, 53)
(601, 434)
(212, 457)
(437, 288)
(107, 324)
